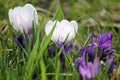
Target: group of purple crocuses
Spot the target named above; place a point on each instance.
(91, 57)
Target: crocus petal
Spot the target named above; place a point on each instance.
(49, 27)
(110, 63)
(75, 25)
(109, 51)
(77, 63)
(90, 51)
(67, 48)
(105, 40)
(82, 71)
(110, 35)
(106, 44)
(32, 10)
(89, 69)
(76, 46)
(95, 69)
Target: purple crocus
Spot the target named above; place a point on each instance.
(89, 70)
(104, 45)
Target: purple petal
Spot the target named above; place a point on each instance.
(77, 63)
(90, 51)
(105, 40)
(67, 48)
(106, 44)
(112, 66)
(83, 71)
(76, 46)
(109, 51)
(89, 69)
(110, 63)
(83, 52)
(96, 68)
(110, 35)
(60, 44)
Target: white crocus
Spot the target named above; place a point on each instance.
(22, 18)
(64, 30)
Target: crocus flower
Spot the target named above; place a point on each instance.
(104, 45)
(22, 18)
(64, 30)
(89, 70)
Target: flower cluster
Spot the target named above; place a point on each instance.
(103, 44)
(100, 48)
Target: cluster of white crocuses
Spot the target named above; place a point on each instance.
(22, 19)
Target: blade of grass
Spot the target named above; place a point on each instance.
(43, 72)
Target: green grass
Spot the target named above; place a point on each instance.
(40, 65)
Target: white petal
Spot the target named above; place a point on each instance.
(49, 27)
(32, 12)
(74, 25)
(16, 18)
(10, 16)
